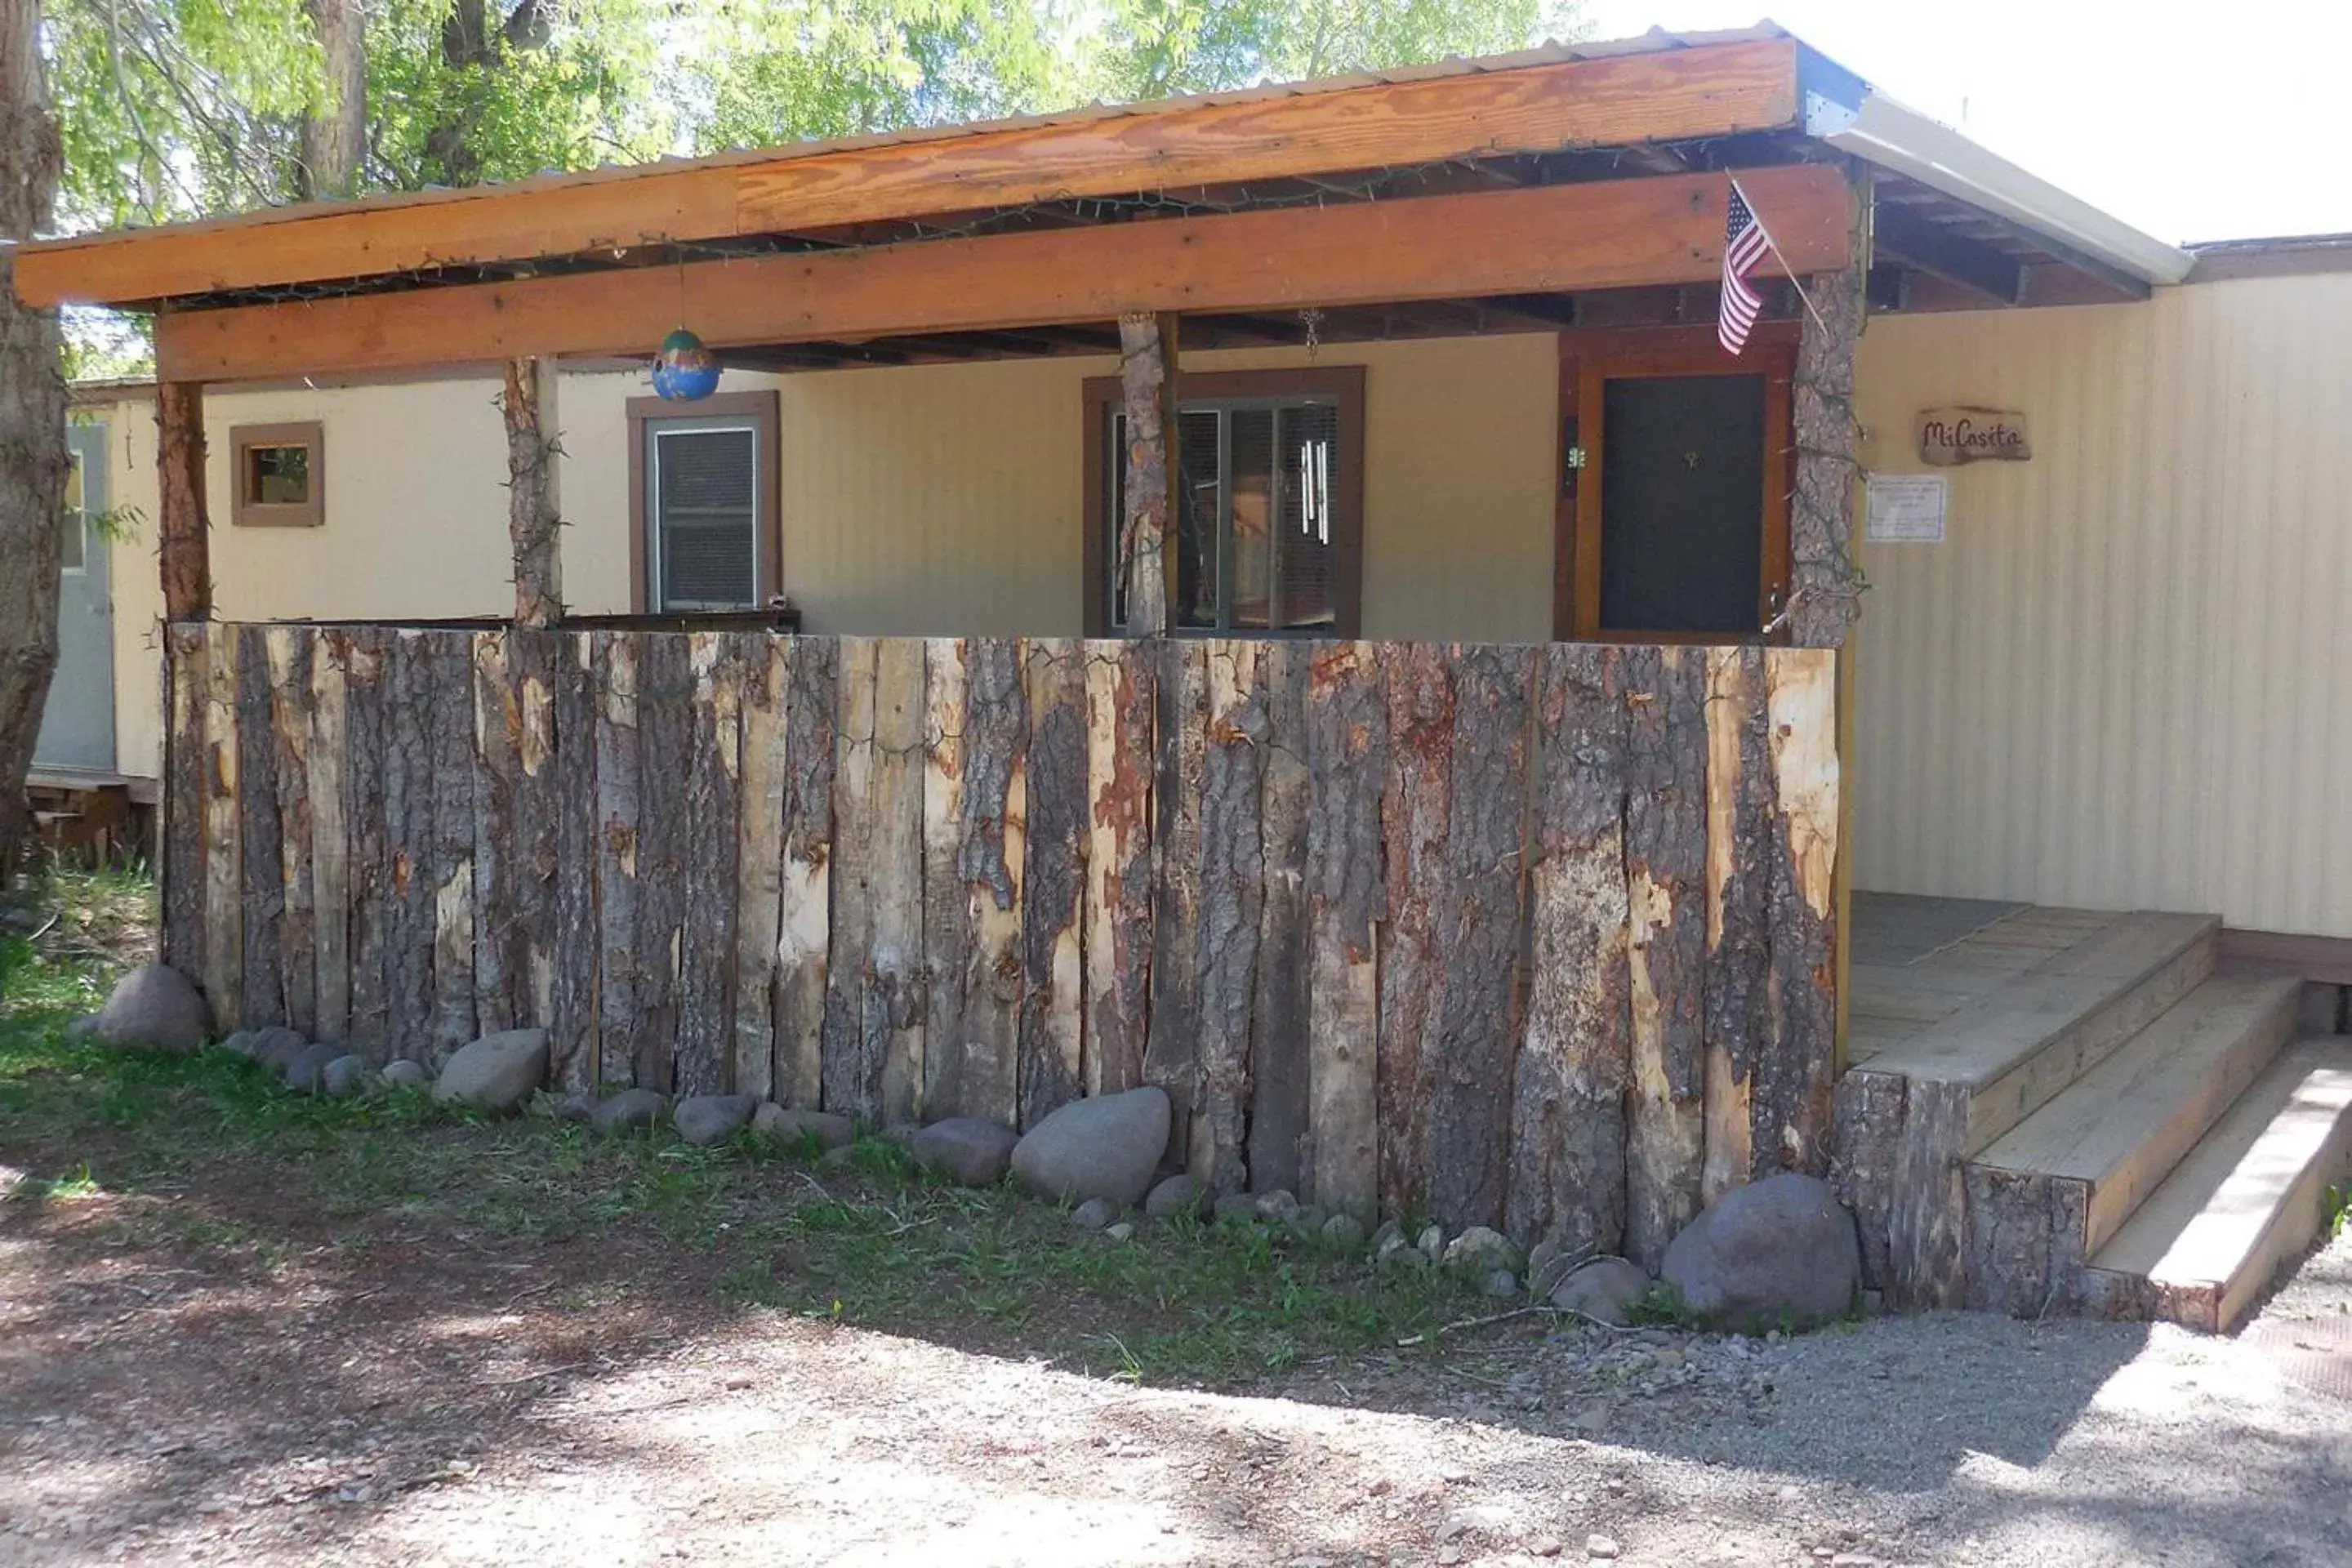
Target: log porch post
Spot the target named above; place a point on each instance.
(533, 493)
(1824, 586)
(184, 529)
(1147, 370)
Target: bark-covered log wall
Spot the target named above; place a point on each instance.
(1540, 938)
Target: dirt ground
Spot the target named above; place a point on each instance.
(427, 1399)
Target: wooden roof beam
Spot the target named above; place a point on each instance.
(1712, 90)
(1925, 246)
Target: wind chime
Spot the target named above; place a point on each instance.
(684, 370)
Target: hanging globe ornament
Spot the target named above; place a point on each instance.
(685, 369)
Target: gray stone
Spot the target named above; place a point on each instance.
(630, 1110)
(1238, 1208)
(1501, 1283)
(306, 1070)
(703, 1119)
(1106, 1147)
(837, 1159)
(1481, 1251)
(1343, 1231)
(346, 1074)
(1387, 1230)
(1601, 1547)
(402, 1074)
(1123, 1231)
(900, 1135)
(154, 1005)
(1549, 1263)
(1279, 1204)
(1432, 1240)
(971, 1149)
(1604, 1289)
(496, 1073)
(83, 1028)
(1093, 1214)
(796, 1128)
(238, 1044)
(575, 1106)
(279, 1046)
(1182, 1193)
(1779, 1250)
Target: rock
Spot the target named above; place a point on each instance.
(1549, 1263)
(1387, 1230)
(796, 1128)
(1481, 1251)
(1600, 1546)
(1093, 1214)
(630, 1110)
(1604, 1289)
(1782, 1249)
(1344, 1232)
(1545, 1546)
(1237, 1208)
(839, 1159)
(1182, 1193)
(703, 1119)
(496, 1073)
(1393, 1251)
(346, 1074)
(971, 1150)
(1432, 1242)
(279, 1046)
(1106, 1147)
(402, 1074)
(1278, 1206)
(1501, 1284)
(305, 1071)
(1123, 1231)
(154, 1005)
(83, 1028)
(238, 1044)
(575, 1107)
(900, 1135)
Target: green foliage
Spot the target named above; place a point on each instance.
(2338, 1212)
(1152, 47)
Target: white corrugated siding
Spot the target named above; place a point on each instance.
(2125, 679)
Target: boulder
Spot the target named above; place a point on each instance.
(276, 1046)
(971, 1150)
(82, 1028)
(1344, 1232)
(496, 1073)
(1123, 1231)
(403, 1075)
(703, 1119)
(1501, 1284)
(1604, 1289)
(630, 1110)
(1237, 1208)
(306, 1070)
(1482, 1252)
(1781, 1251)
(1278, 1206)
(573, 1105)
(1095, 1213)
(796, 1128)
(346, 1074)
(240, 1043)
(1182, 1193)
(1107, 1147)
(154, 1005)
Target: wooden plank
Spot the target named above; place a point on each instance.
(805, 897)
(291, 703)
(1118, 918)
(497, 747)
(1790, 1113)
(1053, 881)
(368, 667)
(261, 870)
(665, 732)
(759, 859)
(331, 887)
(872, 1018)
(1232, 899)
(185, 769)
(1566, 1179)
(1738, 784)
(223, 862)
(450, 724)
(706, 977)
(946, 935)
(1665, 877)
(1479, 938)
(613, 687)
(409, 928)
(1347, 764)
(1416, 812)
(981, 814)
(572, 771)
(1281, 1032)
(535, 662)
(1171, 1046)
(1607, 234)
(1674, 95)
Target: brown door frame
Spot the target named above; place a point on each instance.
(1589, 359)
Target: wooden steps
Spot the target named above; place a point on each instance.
(2053, 1189)
(90, 818)
(2247, 1198)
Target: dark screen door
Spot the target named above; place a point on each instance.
(1682, 501)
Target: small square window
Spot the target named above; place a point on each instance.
(279, 479)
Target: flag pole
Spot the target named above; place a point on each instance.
(1774, 246)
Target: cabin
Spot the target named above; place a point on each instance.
(1287, 595)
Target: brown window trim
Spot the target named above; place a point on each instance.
(1586, 359)
(1342, 383)
(312, 513)
(760, 408)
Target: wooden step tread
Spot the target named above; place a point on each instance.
(2245, 1199)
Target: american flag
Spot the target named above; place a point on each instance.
(1744, 243)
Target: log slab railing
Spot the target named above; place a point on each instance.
(1535, 937)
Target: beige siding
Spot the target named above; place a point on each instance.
(2126, 676)
(944, 499)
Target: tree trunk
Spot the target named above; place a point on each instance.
(336, 124)
(1146, 346)
(183, 529)
(531, 501)
(33, 457)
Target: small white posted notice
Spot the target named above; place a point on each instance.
(1905, 509)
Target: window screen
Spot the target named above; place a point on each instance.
(706, 517)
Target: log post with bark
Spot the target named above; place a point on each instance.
(533, 502)
(1147, 369)
(1825, 586)
(182, 522)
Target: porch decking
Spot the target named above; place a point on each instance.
(2077, 1109)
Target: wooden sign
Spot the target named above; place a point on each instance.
(1962, 434)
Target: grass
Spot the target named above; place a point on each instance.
(2338, 1212)
(757, 1225)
